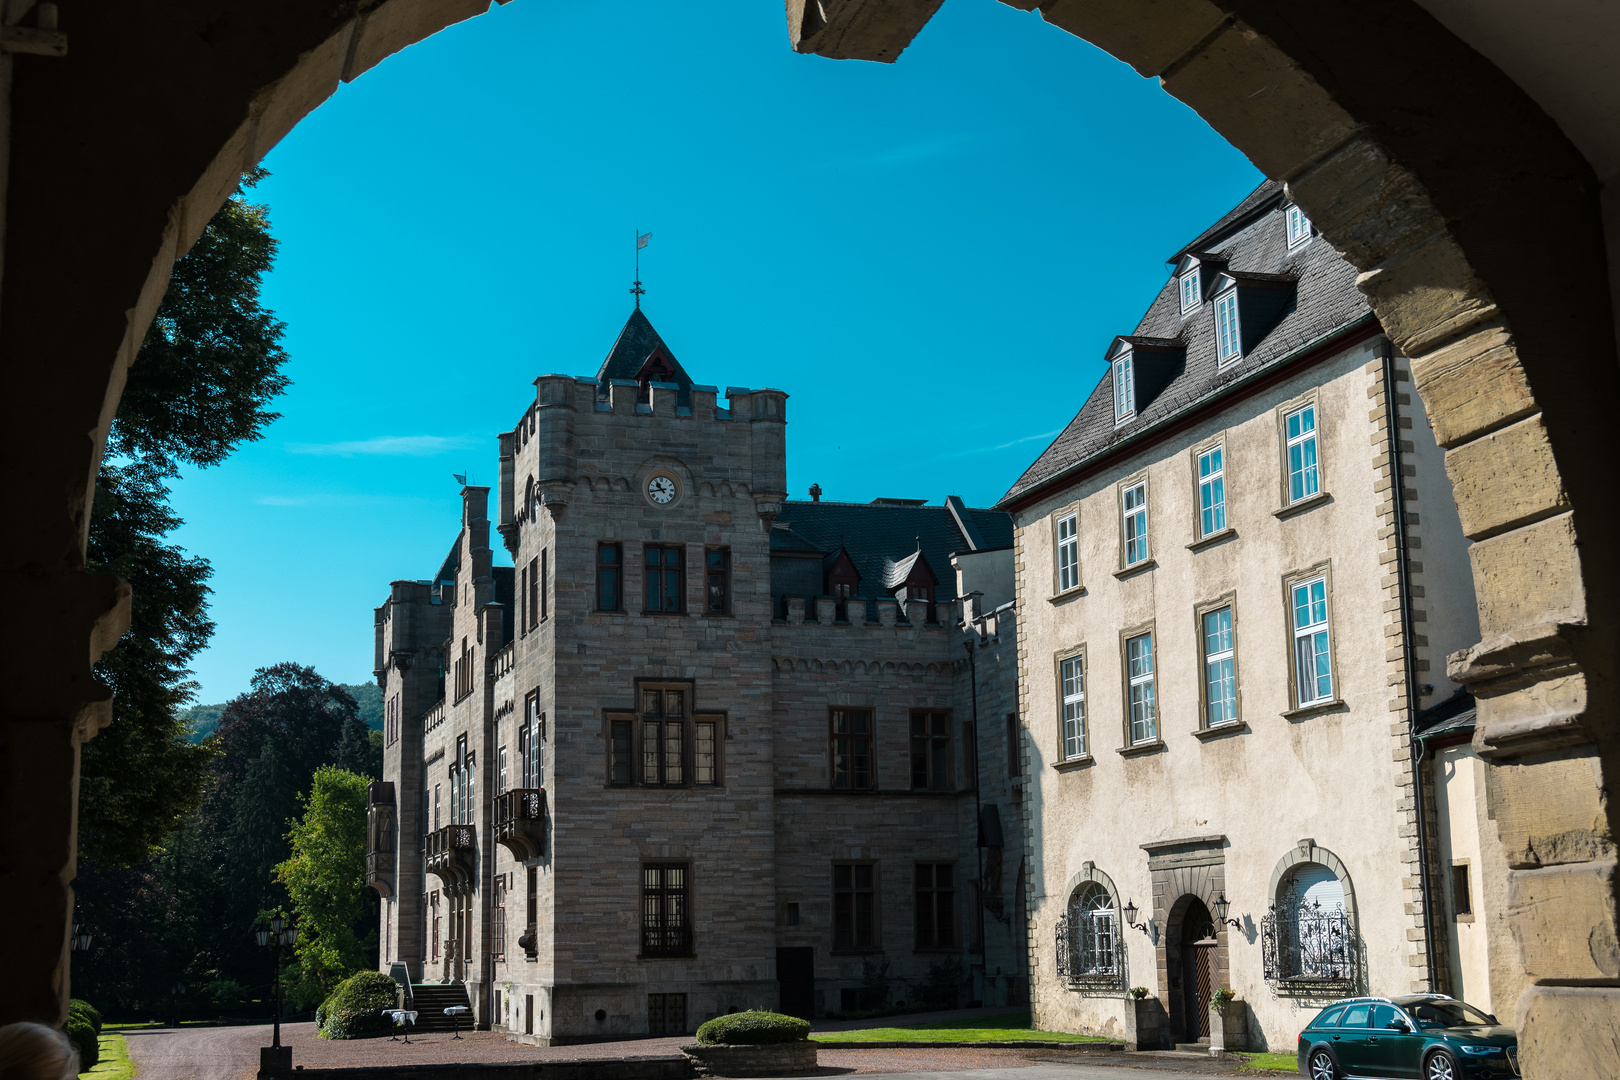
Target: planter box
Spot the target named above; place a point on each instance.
(774, 1059)
(1147, 1026)
(1229, 1028)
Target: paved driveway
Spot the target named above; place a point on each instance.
(232, 1053)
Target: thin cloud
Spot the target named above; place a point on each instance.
(386, 446)
(1006, 445)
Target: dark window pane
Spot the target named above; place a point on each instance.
(621, 753)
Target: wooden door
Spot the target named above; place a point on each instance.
(1203, 984)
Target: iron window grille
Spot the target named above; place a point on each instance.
(1308, 949)
(666, 927)
(1090, 952)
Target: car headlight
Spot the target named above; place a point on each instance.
(1482, 1049)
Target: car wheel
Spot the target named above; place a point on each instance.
(1322, 1067)
(1441, 1066)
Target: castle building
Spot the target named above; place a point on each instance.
(1240, 571)
(701, 748)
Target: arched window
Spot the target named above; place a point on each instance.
(528, 501)
(1093, 932)
(1309, 937)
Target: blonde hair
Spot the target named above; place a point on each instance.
(31, 1051)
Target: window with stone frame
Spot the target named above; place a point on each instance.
(930, 751)
(717, 581)
(609, 577)
(663, 716)
(855, 911)
(532, 742)
(935, 898)
(663, 579)
(666, 918)
(851, 734)
(534, 591)
(497, 920)
(1142, 713)
(464, 671)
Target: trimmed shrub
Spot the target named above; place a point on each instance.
(81, 1007)
(83, 1038)
(754, 1028)
(354, 1011)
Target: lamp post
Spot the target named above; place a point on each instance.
(281, 932)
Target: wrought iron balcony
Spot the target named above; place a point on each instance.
(520, 822)
(452, 855)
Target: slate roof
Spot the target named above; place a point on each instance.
(875, 534)
(635, 344)
(1456, 715)
(1253, 240)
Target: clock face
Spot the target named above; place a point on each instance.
(661, 490)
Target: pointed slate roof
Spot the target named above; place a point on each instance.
(636, 344)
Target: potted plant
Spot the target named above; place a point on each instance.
(753, 1043)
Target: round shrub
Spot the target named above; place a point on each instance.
(83, 1038)
(754, 1028)
(354, 1010)
(81, 1007)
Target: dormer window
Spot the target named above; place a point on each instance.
(1228, 342)
(1190, 292)
(1299, 226)
(1124, 388)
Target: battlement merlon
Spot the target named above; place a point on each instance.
(540, 456)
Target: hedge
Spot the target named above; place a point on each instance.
(83, 1038)
(91, 1015)
(754, 1028)
(354, 1011)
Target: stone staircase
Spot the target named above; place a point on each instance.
(431, 999)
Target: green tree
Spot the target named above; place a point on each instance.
(208, 366)
(326, 881)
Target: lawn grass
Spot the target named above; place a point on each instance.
(114, 1063)
(1002, 1027)
(1272, 1062)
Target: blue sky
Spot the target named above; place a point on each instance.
(929, 257)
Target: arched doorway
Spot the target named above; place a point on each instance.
(1193, 968)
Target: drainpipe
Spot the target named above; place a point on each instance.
(1403, 585)
(978, 811)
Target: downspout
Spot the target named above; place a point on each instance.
(978, 811)
(1403, 586)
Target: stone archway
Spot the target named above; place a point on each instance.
(1475, 221)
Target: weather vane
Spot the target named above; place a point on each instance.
(636, 289)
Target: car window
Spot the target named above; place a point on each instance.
(1386, 1016)
(1329, 1017)
(1355, 1016)
(1439, 1014)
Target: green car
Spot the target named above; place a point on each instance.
(1422, 1037)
